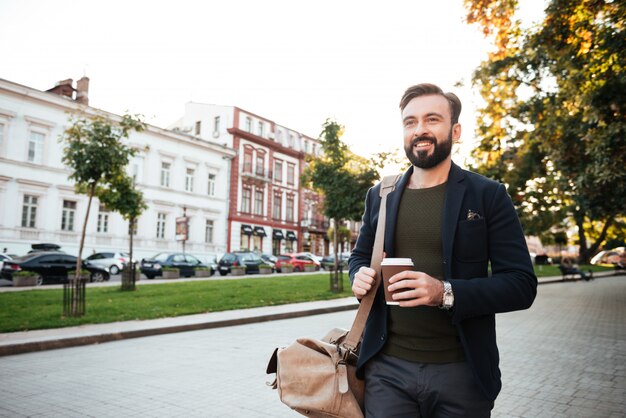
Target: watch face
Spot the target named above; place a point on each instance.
(448, 300)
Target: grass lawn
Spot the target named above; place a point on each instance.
(553, 270)
(42, 309)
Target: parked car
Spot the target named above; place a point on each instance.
(114, 261)
(268, 258)
(35, 248)
(297, 261)
(3, 258)
(185, 263)
(51, 267)
(311, 256)
(608, 256)
(329, 261)
(249, 259)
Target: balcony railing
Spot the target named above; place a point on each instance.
(265, 175)
(315, 224)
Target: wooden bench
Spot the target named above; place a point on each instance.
(570, 273)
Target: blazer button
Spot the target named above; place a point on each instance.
(382, 337)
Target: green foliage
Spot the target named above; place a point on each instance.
(554, 125)
(120, 195)
(95, 153)
(342, 178)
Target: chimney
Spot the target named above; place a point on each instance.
(82, 91)
(63, 88)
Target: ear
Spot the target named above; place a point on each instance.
(456, 132)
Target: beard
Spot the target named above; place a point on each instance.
(421, 159)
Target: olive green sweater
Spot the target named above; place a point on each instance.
(422, 334)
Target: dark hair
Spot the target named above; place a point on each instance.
(426, 89)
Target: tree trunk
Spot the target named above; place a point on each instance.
(336, 284)
(78, 297)
(585, 254)
(128, 279)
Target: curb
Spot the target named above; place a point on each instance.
(97, 338)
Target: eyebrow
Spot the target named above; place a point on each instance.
(427, 115)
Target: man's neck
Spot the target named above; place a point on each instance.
(431, 177)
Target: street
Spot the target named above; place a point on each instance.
(565, 357)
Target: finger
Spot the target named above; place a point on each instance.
(403, 275)
(367, 271)
(411, 303)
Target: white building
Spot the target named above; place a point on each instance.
(175, 171)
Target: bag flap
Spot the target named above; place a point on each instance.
(272, 366)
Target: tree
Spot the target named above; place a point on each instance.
(95, 153)
(343, 179)
(123, 197)
(554, 122)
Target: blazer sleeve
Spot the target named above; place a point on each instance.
(512, 284)
(362, 252)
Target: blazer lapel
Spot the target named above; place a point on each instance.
(393, 202)
(455, 192)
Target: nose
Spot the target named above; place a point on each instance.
(420, 129)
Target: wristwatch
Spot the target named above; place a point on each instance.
(448, 296)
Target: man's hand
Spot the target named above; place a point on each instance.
(416, 288)
(363, 281)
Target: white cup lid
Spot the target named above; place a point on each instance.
(396, 262)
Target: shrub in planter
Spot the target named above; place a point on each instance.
(84, 274)
(24, 278)
(203, 272)
(265, 269)
(309, 267)
(237, 270)
(170, 273)
(286, 268)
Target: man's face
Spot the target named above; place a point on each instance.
(428, 131)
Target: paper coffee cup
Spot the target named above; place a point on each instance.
(390, 267)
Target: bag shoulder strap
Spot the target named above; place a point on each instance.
(353, 338)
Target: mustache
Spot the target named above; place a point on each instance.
(430, 139)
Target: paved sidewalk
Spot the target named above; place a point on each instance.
(565, 357)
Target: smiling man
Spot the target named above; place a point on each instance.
(434, 354)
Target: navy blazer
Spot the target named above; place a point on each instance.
(469, 248)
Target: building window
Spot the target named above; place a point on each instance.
(208, 232)
(211, 188)
(278, 171)
(247, 160)
(165, 174)
(245, 199)
(67, 217)
(260, 164)
(277, 205)
(189, 180)
(248, 124)
(29, 211)
(137, 169)
(161, 219)
(1, 135)
(313, 151)
(198, 128)
(216, 124)
(103, 220)
(258, 202)
(35, 147)
(289, 209)
(291, 171)
(260, 128)
(292, 141)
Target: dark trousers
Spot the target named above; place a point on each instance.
(396, 388)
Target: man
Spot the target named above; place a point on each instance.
(435, 354)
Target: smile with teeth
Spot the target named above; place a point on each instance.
(422, 144)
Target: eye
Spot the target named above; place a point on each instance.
(409, 123)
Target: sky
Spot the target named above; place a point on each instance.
(296, 63)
